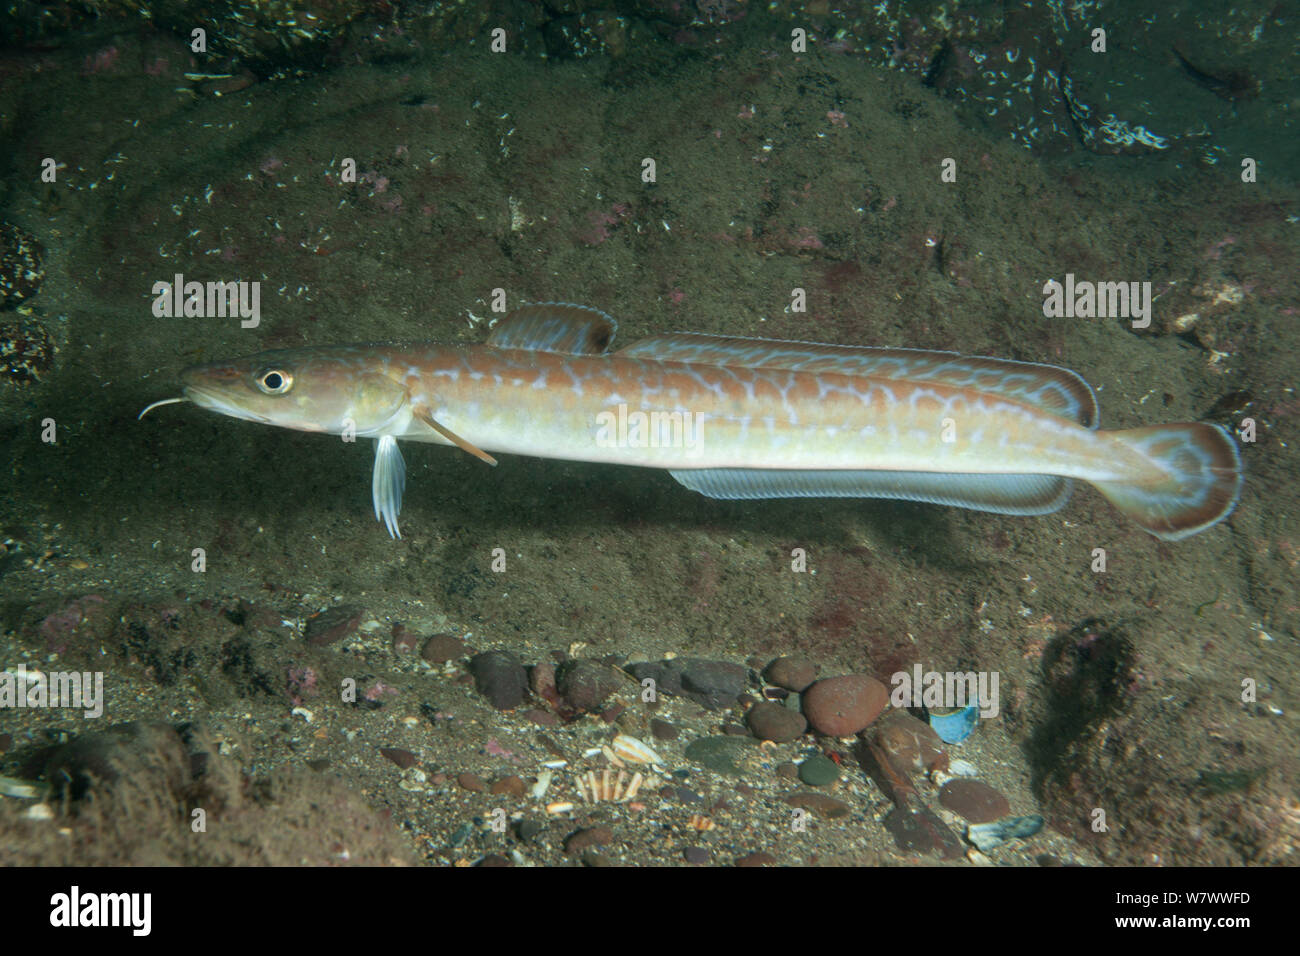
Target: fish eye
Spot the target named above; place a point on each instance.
(274, 381)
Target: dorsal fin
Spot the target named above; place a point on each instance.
(555, 327)
(1057, 391)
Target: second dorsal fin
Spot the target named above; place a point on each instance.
(555, 327)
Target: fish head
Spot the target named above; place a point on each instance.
(333, 390)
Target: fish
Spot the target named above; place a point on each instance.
(738, 418)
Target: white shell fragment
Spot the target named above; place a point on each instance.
(634, 751)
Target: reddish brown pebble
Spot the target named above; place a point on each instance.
(792, 673)
(821, 804)
(757, 858)
(788, 769)
(842, 706)
(442, 648)
(974, 801)
(543, 718)
(662, 729)
(495, 859)
(403, 758)
(404, 641)
(510, 786)
(333, 624)
(910, 744)
(775, 722)
(472, 781)
(581, 840)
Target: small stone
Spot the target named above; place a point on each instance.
(333, 624)
(819, 771)
(974, 801)
(510, 786)
(792, 673)
(500, 677)
(714, 684)
(720, 754)
(580, 840)
(543, 718)
(21, 269)
(586, 685)
(495, 860)
(757, 858)
(843, 706)
(696, 854)
(775, 722)
(910, 744)
(821, 804)
(472, 782)
(404, 641)
(529, 828)
(541, 681)
(403, 758)
(662, 729)
(788, 769)
(441, 648)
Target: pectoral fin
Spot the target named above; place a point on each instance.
(388, 483)
(424, 416)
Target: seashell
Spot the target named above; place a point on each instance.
(608, 788)
(559, 807)
(701, 823)
(990, 836)
(634, 751)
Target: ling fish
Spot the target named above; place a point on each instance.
(739, 418)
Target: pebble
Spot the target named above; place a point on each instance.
(909, 743)
(819, 771)
(403, 758)
(662, 729)
(775, 722)
(500, 677)
(441, 648)
(510, 786)
(990, 836)
(711, 684)
(472, 782)
(404, 640)
(333, 624)
(543, 718)
(974, 801)
(586, 685)
(495, 860)
(720, 754)
(757, 858)
(843, 706)
(792, 673)
(696, 854)
(788, 769)
(580, 840)
(821, 804)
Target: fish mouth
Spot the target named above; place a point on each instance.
(215, 401)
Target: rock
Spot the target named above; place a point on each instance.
(586, 685)
(403, 758)
(792, 673)
(720, 754)
(990, 836)
(472, 782)
(819, 771)
(910, 744)
(974, 801)
(580, 840)
(441, 648)
(543, 718)
(788, 769)
(495, 860)
(510, 786)
(921, 831)
(821, 804)
(529, 828)
(404, 641)
(711, 684)
(757, 858)
(662, 729)
(696, 854)
(775, 722)
(333, 624)
(843, 706)
(541, 681)
(500, 677)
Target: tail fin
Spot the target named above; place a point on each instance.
(1204, 479)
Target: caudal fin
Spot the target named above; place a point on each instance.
(1203, 471)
